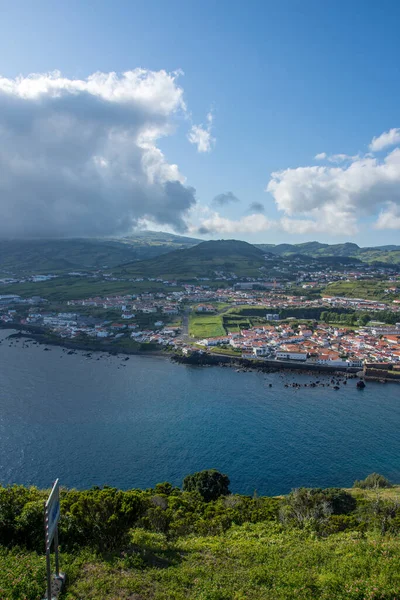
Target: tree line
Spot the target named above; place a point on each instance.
(102, 518)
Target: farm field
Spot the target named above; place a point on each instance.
(202, 326)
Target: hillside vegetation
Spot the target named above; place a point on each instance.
(202, 260)
(70, 288)
(58, 255)
(203, 543)
(43, 256)
(383, 254)
(371, 289)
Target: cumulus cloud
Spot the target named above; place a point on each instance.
(201, 135)
(256, 207)
(255, 223)
(389, 217)
(225, 198)
(385, 140)
(80, 157)
(332, 199)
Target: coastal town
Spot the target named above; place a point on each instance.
(244, 319)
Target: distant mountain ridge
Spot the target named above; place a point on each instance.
(386, 254)
(30, 256)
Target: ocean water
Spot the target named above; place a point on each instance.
(146, 420)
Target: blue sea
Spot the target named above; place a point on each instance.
(134, 423)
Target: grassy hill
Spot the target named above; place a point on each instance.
(385, 254)
(203, 260)
(43, 256)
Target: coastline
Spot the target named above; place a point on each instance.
(200, 360)
(23, 331)
(217, 360)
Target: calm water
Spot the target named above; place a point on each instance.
(92, 422)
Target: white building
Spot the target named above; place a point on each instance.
(283, 355)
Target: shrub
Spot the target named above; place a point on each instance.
(374, 480)
(13, 499)
(210, 484)
(101, 518)
(30, 525)
(312, 508)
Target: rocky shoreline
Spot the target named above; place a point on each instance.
(195, 359)
(83, 346)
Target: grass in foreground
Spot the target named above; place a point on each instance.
(253, 561)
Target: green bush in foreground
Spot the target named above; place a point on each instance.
(372, 481)
(205, 543)
(210, 484)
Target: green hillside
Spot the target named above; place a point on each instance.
(43, 256)
(203, 260)
(371, 289)
(155, 238)
(383, 254)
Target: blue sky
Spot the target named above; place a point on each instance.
(284, 81)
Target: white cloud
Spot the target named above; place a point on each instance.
(254, 223)
(385, 140)
(80, 157)
(201, 135)
(333, 199)
(336, 158)
(389, 217)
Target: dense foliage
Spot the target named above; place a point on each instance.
(205, 543)
(210, 484)
(374, 480)
(359, 317)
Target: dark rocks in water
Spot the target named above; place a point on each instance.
(127, 358)
(46, 350)
(360, 385)
(71, 352)
(270, 385)
(336, 387)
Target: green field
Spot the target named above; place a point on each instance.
(76, 288)
(373, 289)
(203, 326)
(233, 324)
